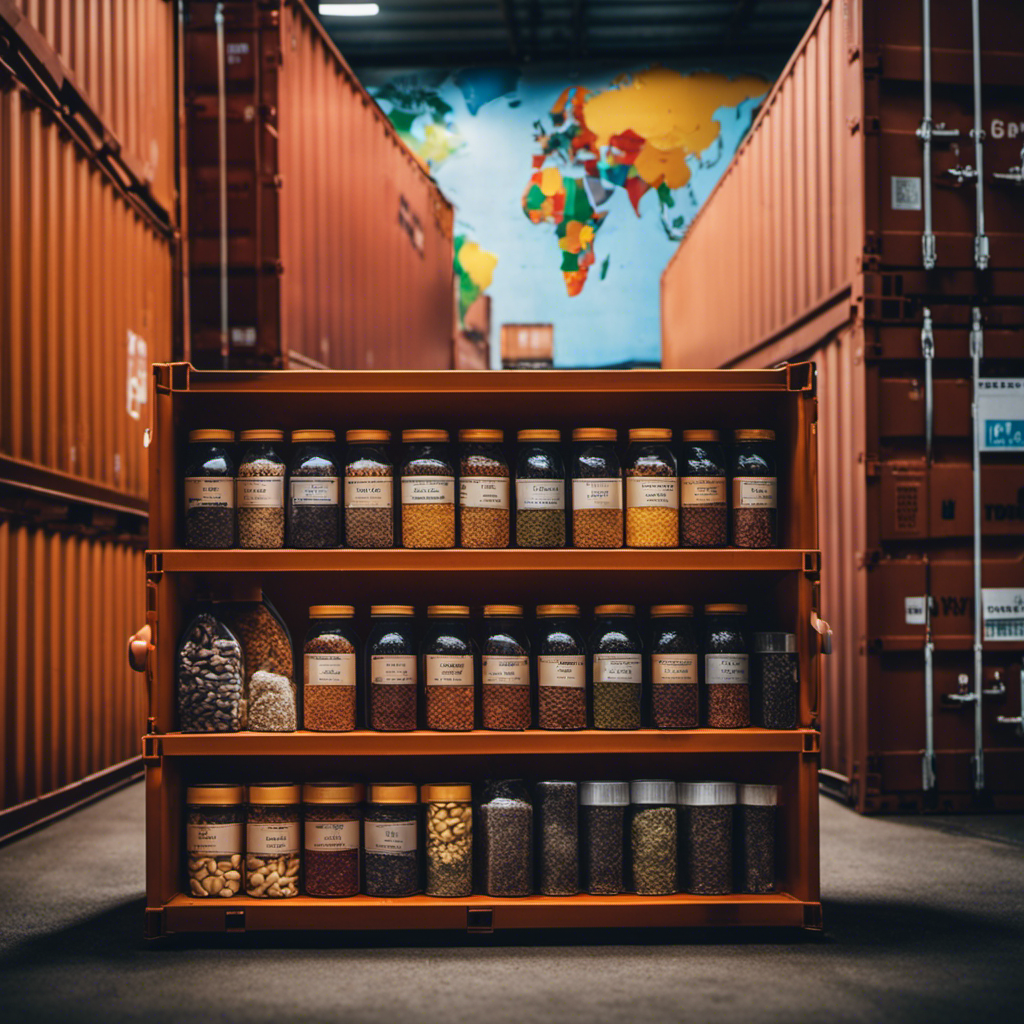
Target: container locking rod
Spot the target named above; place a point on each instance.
(978, 135)
(977, 350)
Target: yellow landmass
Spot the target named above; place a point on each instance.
(478, 263)
(550, 181)
(656, 165)
(438, 144)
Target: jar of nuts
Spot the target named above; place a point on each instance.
(652, 490)
(209, 490)
(596, 489)
(428, 490)
(391, 858)
(329, 666)
(391, 668)
(726, 668)
(617, 654)
(314, 508)
(540, 490)
(215, 838)
(369, 484)
(755, 489)
(483, 490)
(259, 491)
(332, 837)
(675, 667)
(703, 501)
(447, 669)
(273, 841)
(561, 668)
(505, 669)
(449, 839)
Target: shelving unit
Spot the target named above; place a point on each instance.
(779, 585)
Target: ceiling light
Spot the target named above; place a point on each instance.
(349, 10)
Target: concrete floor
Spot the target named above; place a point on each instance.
(924, 922)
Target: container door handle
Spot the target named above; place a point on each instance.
(821, 627)
(139, 647)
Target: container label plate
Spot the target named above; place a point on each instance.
(906, 193)
(1002, 612)
(1001, 413)
(914, 610)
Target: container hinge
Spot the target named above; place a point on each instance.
(152, 749)
(871, 467)
(1014, 174)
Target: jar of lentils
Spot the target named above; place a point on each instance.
(483, 490)
(561, 668)
(369, 498)
(447, 668)
(675, 667)
(706, 836)
(329, 663)
(272, 840)
(755, 489)
(259, 493)
(652, 490)
(391, 668)
(505, 669)
(215, 839)
(617, 654)
(540, 490)
(703, 500)
(209, 490)
(775, 680)
(333, 816)
(449, 839)
(603, 807)
(726, 668)
(596, 489)
(756, 813)
(391, 859)
(652, 832)
(314, 509)
(428, 490)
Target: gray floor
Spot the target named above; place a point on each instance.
(924, 922)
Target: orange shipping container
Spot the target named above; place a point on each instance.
(527, 343)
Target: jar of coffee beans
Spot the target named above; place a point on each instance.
(273, 841)
(369, 498)
(506, 839)
(603, 807)
(703, 500)
(329, 663)
(756, 824)
(617, 655)
(775, 679)
(726, 668)
(540, 490)
(211, 677)
(209, 490)
(558, 871)
(333, 816)
(259, 492)
(215, 839)
(483, 490)
(447, 668)
(675, 667)
(596, 489)
(314, 508)
(505, 669)
(449, 839)
(652, 833)
(561, 668)
(428, 490)
(705, 836)
(391, 859)
(391, 668)
(652, 490)
(755, 489)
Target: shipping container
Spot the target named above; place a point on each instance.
(527, 346)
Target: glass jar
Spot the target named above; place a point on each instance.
(652, 833)
(775, 678)
(703, 500)
(756, 823)
(558, 873)
(259, 490)
(391, 668)
(447, 669)
(755, 490)
(332, 814)
(603, 836)
(596, 489)
(705, 836)
(391, 859)
(652, 490)
(210, 698)
(726, 668)
(675, 667)
(561, 668)
(369, 490)
(617, 654)
(329, 669)
(540, 490)
(449, 839)
(215, 839)
(506, 839)
(428, 490)
(483, 490)
(209, 490)
(505, 669)
(314, 509)
(272, 840)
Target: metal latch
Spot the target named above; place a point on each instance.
(1014, 174)
(824, 630)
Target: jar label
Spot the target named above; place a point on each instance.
(315, 490)
(214, 839)
(330, 669)
(618, 668)
(702, 490)
(393, 669)
(506, 669)
(754, 492)
(562, 670)
(368, 491)
(428, 490)
(540, 494)
(726, 668)
(652, 492)
(272, 839)
(483, 492)
(389, 836)
(449, 669)
(673, 668)
(260, 492)
(332, 835)
(600, 492)
(209, 492)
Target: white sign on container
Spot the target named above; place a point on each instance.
(1001, 413)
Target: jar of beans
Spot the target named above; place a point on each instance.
(561, 668)
(558, 871)
(703, 501)
(652, 490)
(540, 490)
(391, 859)
(652, 833)
(272, 840)
(391, 668)
(447, 669)
(209, 490)
(705, 836)
(505, 669)
(506, 839)
(775, 679)
(617, 654)
(369, 498)
(428, 490)
(449, 839)
(726, 669)
(755, 825)
(215, 839)
(259, 490)
(329, 663)
(333, 817)
(596, 489)
(314, 509)
(483, 490)
(675, 667)
(603, 807)
(755, 488)
(211, 677)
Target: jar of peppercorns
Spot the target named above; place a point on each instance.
(617, 653)
(314, 510)
(329, 662)
(483, 490)
(369, 498)
(540, 490)
(596, 489)
(448, 669)
(259, 489)
(674, 667)
(209, 490)
(505, 669)
(726, 668)
(755, 512)
(652, 490)
(428, 490)
(561, 668)
(333, 816)
(391, 668)
(703, 500)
